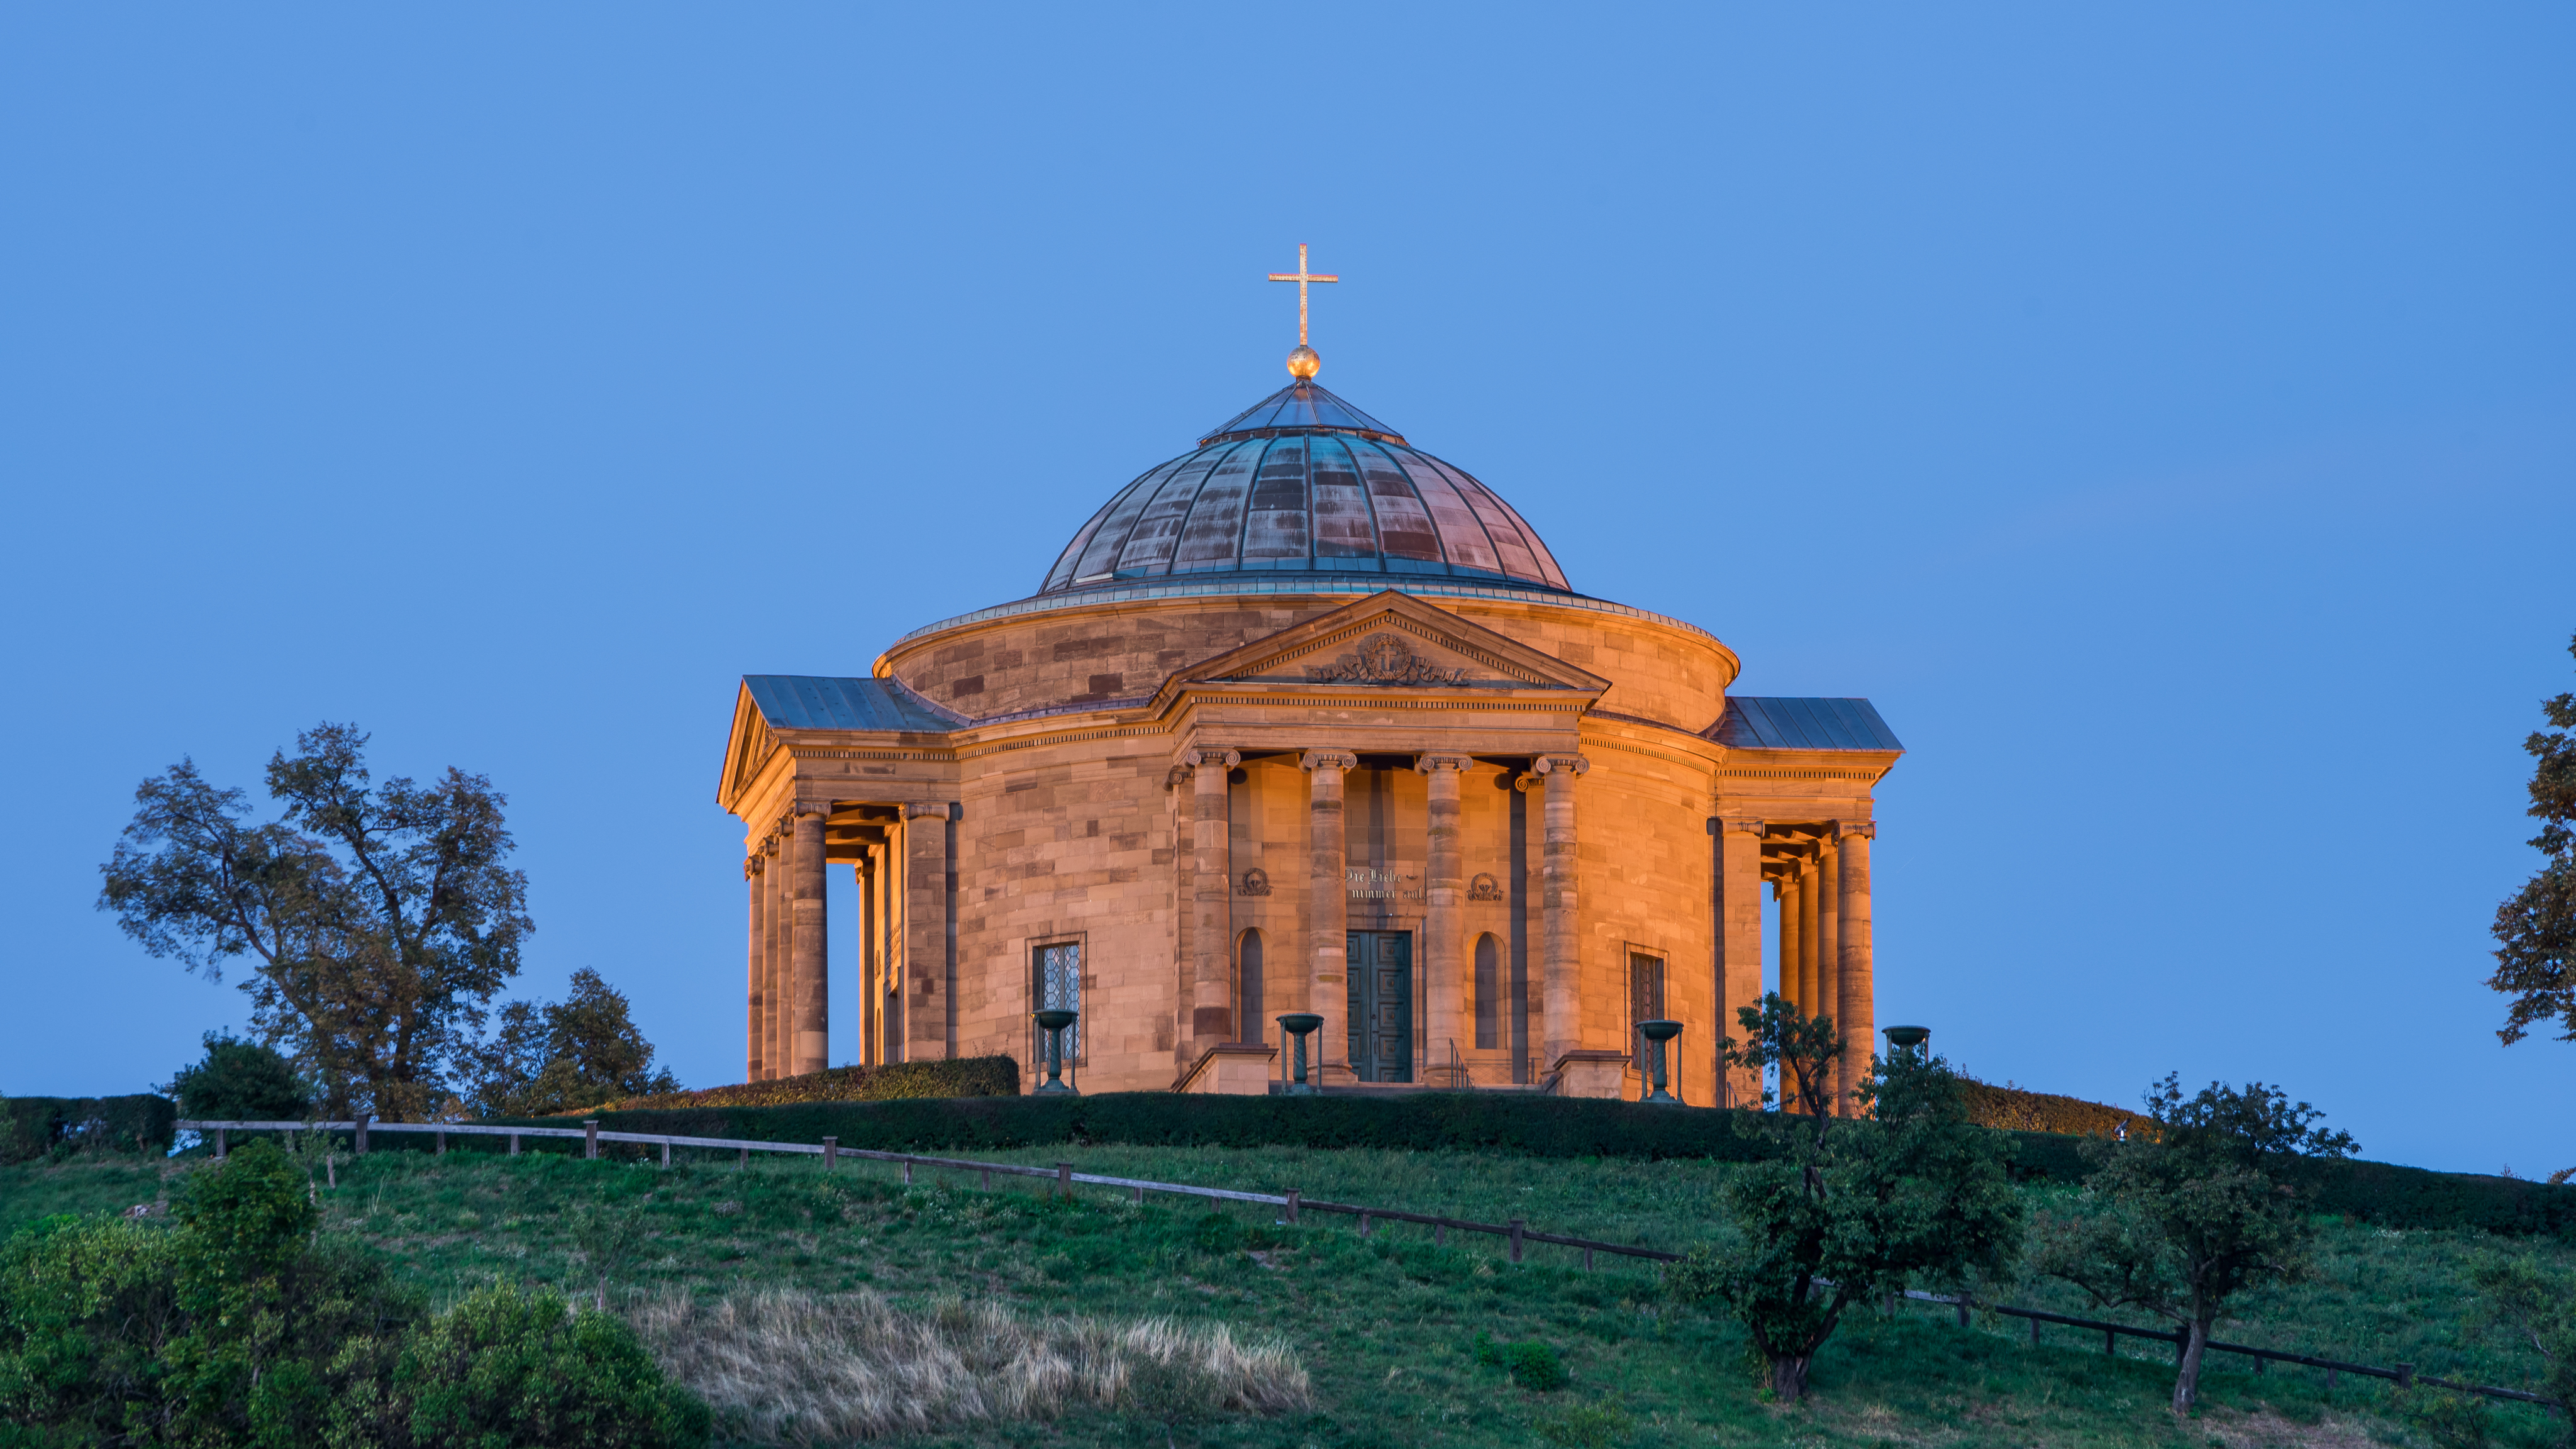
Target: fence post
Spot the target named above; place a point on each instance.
(1292, 1206)
(2110, 1342)
(222, 1144)
(590, 1139)
(666, 1154)
(1517, 1225)
(514, 1144)
(1064, 1179)
(1587, 1260)
(2406, 1376)
(1963, 1310)
(361, 1149)
(1439, 1234)
(832, 1153)
(1363, 1222)
(441, 1135)
(2330, 1379)
(2034, 1338)
(744, 1161)
(907, 1172)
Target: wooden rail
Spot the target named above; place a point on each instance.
(1516, 1231)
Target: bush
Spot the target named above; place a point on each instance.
(964, 1077)
(236, 1327)
(33, 1127)
(505, 1369)
(2015, 1110)
(241, 1081)
(1532, 1365)
(233, 1327)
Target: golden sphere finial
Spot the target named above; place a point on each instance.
(1303, 362)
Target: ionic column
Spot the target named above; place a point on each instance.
(1739, 867)
(751, 873)
(1444, 892)
(1829, 969)
(1858, 991)
(773, 956)
(1328, 906)
(1558, 921)
(1211, 1004)
(1791, 951)
(926, 998)
(810, 1049)
(868, 958)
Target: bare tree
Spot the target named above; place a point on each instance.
(377, 920)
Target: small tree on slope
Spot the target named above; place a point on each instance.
(2203, 1208)
(1852, 1209)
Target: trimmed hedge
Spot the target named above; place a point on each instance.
(1558, 1127)
(2016, 1110)
(964, 1077)
(33, 1127)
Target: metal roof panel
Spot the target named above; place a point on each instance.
(815, 702)
(1774, 722)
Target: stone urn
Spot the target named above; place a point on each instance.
(1656, 1034)
(1299, 1025)
(1054, 1021)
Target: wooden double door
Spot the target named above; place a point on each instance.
(1379, 978)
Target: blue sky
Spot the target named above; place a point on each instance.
(2164, 416)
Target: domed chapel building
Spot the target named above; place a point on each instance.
(1304, 720)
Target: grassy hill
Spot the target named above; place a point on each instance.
(1386, 1328)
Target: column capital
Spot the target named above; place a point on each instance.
(926, 810)
(769, 843)
(1571, 764)
(1328, 760)
(1745, 824)
(1425, 764)
(1846, 829)
(809, 807)
(752, 865)
(1200, 755)
(1177, 776)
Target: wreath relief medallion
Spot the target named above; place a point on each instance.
(1383, 659)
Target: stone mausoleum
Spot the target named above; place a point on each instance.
(1304, 720)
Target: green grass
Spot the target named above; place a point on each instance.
(1389, 1326)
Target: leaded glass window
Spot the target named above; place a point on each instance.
(1059, 985)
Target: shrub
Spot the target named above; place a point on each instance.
(1532, 1365)
(504, 1369)
(964, 1077)
(2016, 1110)
(241, 1081)
(33, 1127)
(233, 1327)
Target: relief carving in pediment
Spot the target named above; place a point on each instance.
(1385, 658)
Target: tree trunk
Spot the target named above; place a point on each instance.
(1789, 1376)
(2187, 1373)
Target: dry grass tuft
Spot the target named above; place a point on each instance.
(799, 1368)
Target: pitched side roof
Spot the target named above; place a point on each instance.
(1757, 722)
(811, 702)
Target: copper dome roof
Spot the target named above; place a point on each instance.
(1304, 481)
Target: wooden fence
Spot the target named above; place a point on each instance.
(1294, 1205)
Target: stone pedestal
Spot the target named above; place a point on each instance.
(1231, 1069)
(1589, 1072)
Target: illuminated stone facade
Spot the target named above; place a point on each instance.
(1304, 720)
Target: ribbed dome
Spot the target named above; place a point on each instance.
(1303, 480)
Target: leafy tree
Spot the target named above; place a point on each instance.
(1853, 1208)
(2536, 962)
(548, 1057)
(1804, 1048)
(2187, 1216)
(2539, 1304)
(378, 920)
(241, 1081)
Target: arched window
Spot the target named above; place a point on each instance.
(1249, 1023)
(1489, 992)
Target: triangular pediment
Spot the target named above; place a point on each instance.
(1391, 641)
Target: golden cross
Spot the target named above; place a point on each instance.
(1301, 277)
